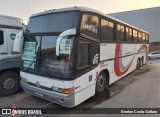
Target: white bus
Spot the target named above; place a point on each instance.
(71, 54)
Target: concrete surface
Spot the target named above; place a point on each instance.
(142, 93)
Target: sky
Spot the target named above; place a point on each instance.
(25, 8)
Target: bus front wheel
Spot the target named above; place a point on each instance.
(101, 83)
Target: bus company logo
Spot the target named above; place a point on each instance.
(119, 68)
(37, 84)
(95, 59)
(12, 36)
(90, 28)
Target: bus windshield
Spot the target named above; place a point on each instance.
(56, 22)
(39, 49)
(39, 56)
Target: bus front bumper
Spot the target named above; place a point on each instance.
(61, 99)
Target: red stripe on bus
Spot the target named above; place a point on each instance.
(117, 66)
(118, 72)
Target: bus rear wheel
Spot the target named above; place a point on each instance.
(9, 83)
(138, 63)
(142, 61)
(101, 83)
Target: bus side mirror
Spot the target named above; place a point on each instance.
(18, 42)
(65, 33)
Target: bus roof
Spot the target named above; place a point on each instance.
(85, 9)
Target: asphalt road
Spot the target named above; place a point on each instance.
(137, 90)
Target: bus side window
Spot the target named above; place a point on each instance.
(1, 38)
(140, 37)
(143, 38)
(128, 34)
(134, 36)
(107, 30)
(147, 38)
(90, 26)
(120, 33)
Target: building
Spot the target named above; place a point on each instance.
(146, 19)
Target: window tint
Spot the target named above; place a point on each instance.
(1, 38)
(134, 36)
(83, 55)
(107, 30)
(154, 53)
(139, 37)
(128, 34)
(56, 22)
(120, 33)
(90, 26)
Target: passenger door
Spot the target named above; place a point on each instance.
(3, 44)
(88, 44)
(83, 56)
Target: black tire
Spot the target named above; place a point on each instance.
(142, 61)
(138, 63)
(101, 83)
(9, 83)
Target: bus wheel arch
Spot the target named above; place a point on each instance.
(102, 81)
(107, 76)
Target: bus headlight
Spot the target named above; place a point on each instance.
(24, 80)
(60, 90)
